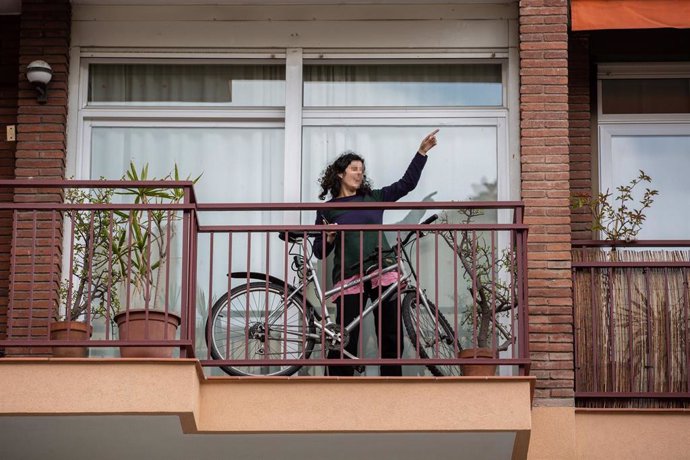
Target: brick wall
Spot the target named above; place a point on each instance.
(40, 154)
(9, 63)
(580, 131)
(545, 190)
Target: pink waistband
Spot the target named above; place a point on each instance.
(386, 279)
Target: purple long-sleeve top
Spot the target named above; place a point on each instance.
(351, 250)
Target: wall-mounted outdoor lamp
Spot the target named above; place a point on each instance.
(39, 74)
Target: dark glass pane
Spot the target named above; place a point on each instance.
(658, 95)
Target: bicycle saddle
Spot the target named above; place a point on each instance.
(294, 237)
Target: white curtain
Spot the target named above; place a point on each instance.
(235, 164)
(463, 166)
(403, 85)
(460, 167)
(235, 85)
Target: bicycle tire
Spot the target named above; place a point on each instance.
(430, 331)
(218, 333)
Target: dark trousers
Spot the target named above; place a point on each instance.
(349, 306)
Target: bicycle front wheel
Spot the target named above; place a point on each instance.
(256, 324)
(434, 338)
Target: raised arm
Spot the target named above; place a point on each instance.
(410, 179)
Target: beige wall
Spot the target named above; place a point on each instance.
(366, 405)
(482, 26)
(569, 433)
(263, 404)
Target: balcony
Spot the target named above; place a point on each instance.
(455, 284)
(102, 263)
(631, 323)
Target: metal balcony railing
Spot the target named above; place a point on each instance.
(243, 290)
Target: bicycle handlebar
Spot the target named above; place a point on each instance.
(294, 237)
(403, 243)
(427, 221)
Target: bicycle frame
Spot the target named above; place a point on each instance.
(427, 329)
(311, 278)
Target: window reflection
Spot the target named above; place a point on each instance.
(667, 160)
(236, 165)
(403, 85)
(463, 166)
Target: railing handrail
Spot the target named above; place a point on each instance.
(312, 206)
(188, 185)
(93, 183)
(359, 227)
(243, 206)
(631, 243)
(96, 206)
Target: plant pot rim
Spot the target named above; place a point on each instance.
(138, 312)
(480, 353)
(70, 325)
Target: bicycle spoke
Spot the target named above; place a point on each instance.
(239, 327)
(431, 330)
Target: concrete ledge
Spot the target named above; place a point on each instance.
(266, 405)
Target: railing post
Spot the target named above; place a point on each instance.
(523, 336)
(188, 263)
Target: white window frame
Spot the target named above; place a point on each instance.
(293, 117)
(628, 71)
(608, 131)
(443, 116)
(610, 125)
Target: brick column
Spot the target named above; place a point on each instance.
(40, 154)
(580, 131)
(9, 62)
(545, 190)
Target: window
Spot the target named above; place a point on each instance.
(644, 124)
(262, 128)
(400, 85)
(209, 118)
(383, 110)
(240, 85)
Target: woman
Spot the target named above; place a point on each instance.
(346, 182)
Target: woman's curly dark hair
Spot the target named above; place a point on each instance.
(330, 182)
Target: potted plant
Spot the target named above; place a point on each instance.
(615, 307)
(146, 242)
(89, 286)
(488, 303)
(618, 220)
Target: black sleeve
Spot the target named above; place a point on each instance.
(409, 181)
(318, 240)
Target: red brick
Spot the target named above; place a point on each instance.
(9, 63)
(43, 34)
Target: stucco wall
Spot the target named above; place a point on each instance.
(567, 433)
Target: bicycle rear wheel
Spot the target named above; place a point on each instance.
(433, 338)
(238, 329)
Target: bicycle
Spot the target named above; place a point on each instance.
(269, 317)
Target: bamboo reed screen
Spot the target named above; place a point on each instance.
(631, 329)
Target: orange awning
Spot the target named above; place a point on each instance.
(629, 14)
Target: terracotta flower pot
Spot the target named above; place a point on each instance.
(477, 370)
(70, 330)
(135, 326)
